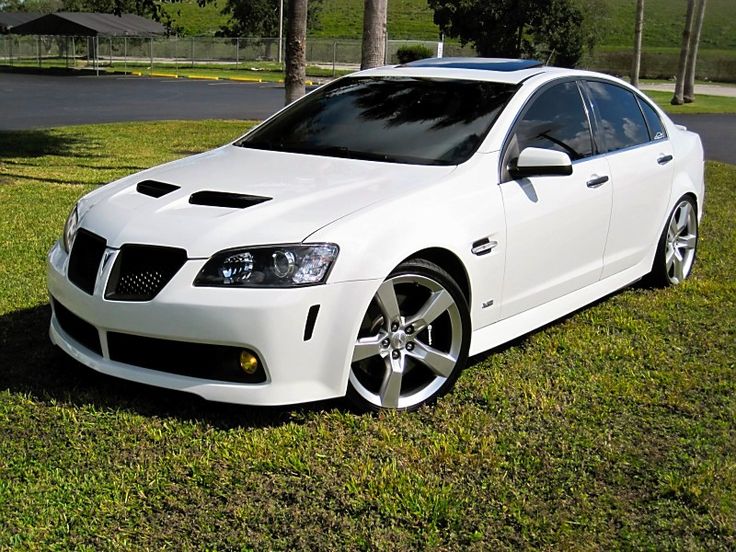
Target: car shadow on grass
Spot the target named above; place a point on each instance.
(31, 365)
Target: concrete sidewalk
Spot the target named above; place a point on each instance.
(704, 89)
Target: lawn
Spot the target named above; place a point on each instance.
(702, 104)
(613, 428)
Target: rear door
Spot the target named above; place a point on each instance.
(640, 159)
(556, 225)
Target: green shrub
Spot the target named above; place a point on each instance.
(405, 54)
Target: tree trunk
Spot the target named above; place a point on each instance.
(296, 53)
(689, 88)
(678, 98)
(374, 34)
(638, 28)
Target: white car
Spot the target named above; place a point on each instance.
(369, 238)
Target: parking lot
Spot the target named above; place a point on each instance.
(42, 101)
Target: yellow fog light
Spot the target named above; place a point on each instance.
(248, 362)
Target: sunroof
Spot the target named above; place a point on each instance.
(484, 64)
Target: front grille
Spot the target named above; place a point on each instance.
(142, 271)
(84, 260)
(80, 331)
(198, 360)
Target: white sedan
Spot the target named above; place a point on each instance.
(369, 238)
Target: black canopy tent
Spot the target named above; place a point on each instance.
(90, 24)
(10, 20)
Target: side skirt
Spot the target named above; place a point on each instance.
(504, 331)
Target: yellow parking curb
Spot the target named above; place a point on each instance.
(201, 77)
(166, 75)
(244, 79)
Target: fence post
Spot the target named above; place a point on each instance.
(11, 50)
(237, 52)
(192, 52)
(125, 53)
(150, 48)
(334, 58)
(109, 45)
(66, 50)
(38, 49)
(176, 57)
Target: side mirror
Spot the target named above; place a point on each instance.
(540, 162)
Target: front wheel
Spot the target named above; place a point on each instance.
(413, 340)
(677, 245)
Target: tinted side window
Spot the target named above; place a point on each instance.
(656, 130)
(556, 120)
(622, 124)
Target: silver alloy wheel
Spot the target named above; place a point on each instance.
(682, 238)
(414, 342)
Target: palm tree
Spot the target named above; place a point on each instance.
(678, 98)
(374, 34)
(689, 89)
(638, 28)
(296, 58)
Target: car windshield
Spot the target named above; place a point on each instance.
(397, 119)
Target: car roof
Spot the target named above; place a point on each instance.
(510, 71)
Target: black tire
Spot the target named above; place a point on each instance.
(664, 274)
(416, 285)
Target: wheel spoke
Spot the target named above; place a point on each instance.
(670, 257)
(440, 363)
(367, 347)
(678, 265)
(684, 217)
(391, 386)
(388, 303)
(437, 303)
(673, 230)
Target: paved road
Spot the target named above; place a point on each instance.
(718, 133)
(41, 101)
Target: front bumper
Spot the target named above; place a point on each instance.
(270, 322)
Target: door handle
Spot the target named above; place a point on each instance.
(483, 246)
(596, 181)
(663, 160)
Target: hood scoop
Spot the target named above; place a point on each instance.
(155, 189)
(226, 199)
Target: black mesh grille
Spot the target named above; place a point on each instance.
(84, 260)
(141, 271)
(198, 360)
(80, 331)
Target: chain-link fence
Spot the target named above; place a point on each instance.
(129, 53)
(173, 53)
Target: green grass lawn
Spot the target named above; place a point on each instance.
(614, 428)
(702, 104)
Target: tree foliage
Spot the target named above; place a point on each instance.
(260, 18)
(515, 28)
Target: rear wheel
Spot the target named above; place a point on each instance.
(677, 246)
(413, 340)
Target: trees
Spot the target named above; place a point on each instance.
(678, 98)
(373, 51)
(547, 29)
(296, 58)
(260, 18)
(638, 28)
(689, 88)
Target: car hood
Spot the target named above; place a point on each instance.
(305, 193)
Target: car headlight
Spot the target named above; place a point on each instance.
(70, 229)
(269, 266)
